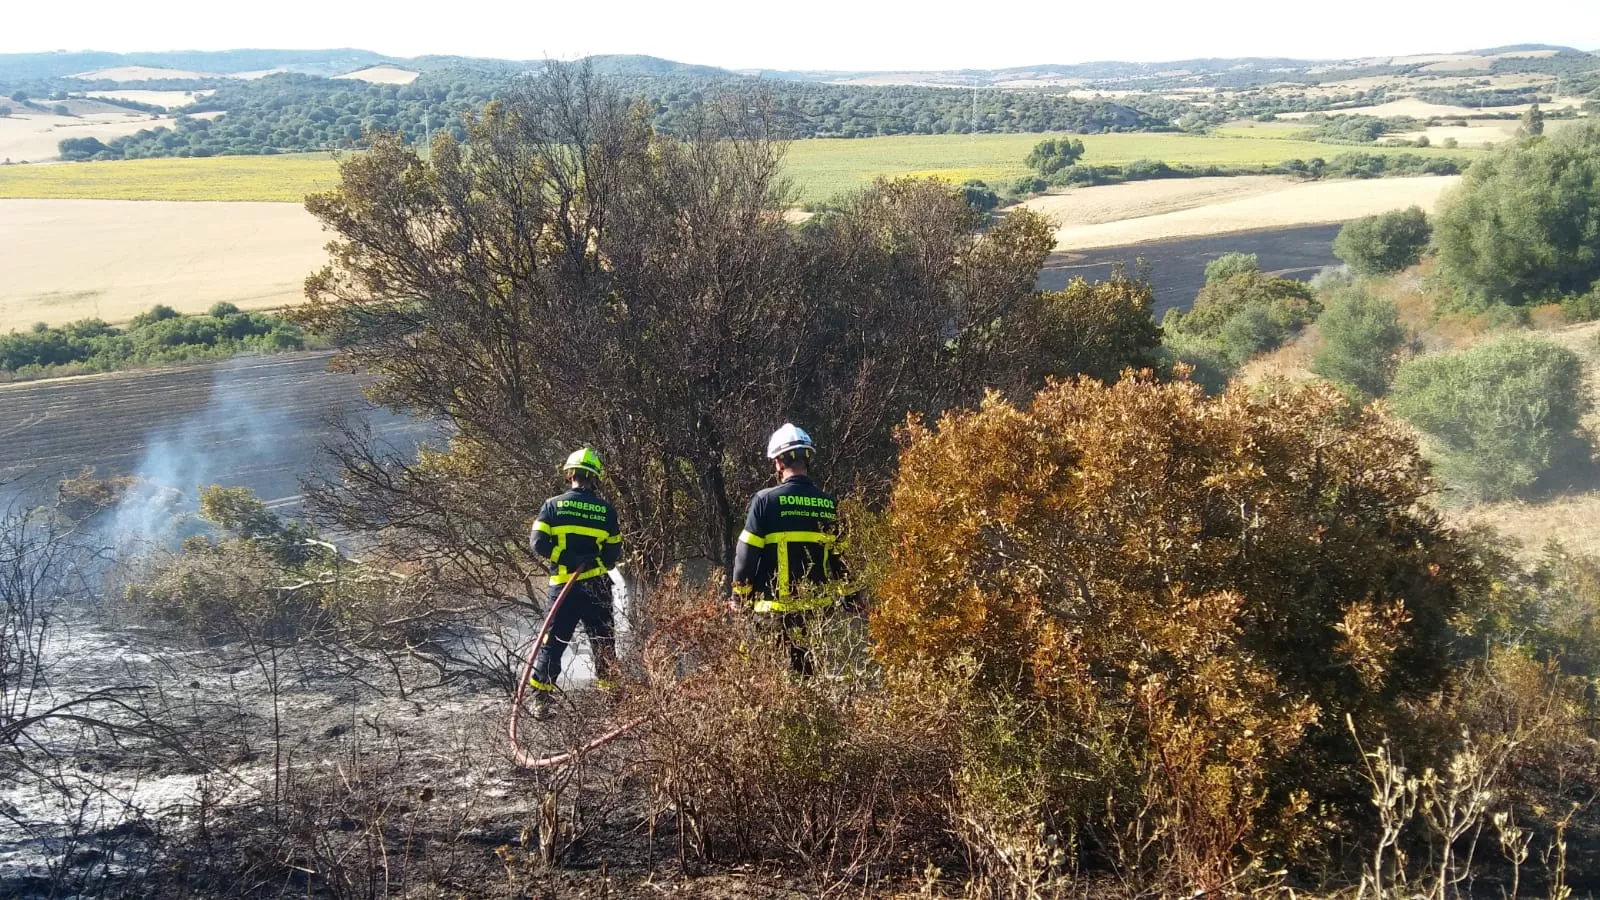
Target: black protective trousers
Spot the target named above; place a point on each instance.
(589, 602)
(791, 631)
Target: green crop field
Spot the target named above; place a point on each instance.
(818, 168)
(283, 178)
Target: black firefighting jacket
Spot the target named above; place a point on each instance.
(788, 538)
(577, 532)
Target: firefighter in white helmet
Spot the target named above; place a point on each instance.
(788, 541)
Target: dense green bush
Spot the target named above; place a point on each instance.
(1525, 222)
(1583, 307)
(979, 195)
(1387, 242)
(1379, 165)
(1499, 415)
(1230, 264)
(75, 149)
(160, 335)
(1350, 130)
(1239, 313)
(1051, 156)
(1361, 341)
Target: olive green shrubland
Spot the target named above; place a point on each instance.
(1239, 313)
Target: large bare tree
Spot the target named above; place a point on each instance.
(567, 276)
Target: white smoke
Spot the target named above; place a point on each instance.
(232, 435)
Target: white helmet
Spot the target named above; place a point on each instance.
(789, 439)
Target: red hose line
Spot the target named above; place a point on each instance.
(522, 757)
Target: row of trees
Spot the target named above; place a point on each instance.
(301, 112)
(160, 335)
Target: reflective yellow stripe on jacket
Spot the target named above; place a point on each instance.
(781, 540)
(560, 532)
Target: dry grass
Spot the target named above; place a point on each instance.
(1476, 134)
(1409, 106)
(382, 75)
(1294, 204)
(34, 137)
(1291, 362)
(71, 259)
(1570, 519)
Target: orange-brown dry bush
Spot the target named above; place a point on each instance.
(1186, 595)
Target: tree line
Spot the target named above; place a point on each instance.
(292, 113)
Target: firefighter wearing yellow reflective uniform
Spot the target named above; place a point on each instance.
(577, 532)
(788, 541)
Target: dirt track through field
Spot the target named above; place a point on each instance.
(256, 422)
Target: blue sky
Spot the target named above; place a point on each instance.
(816, 34)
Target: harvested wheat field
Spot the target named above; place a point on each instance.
(1294, 204)
(71, 259)
(166, 99)
(382, 75)
(140, 73)
(1135, 199)
(36, 137)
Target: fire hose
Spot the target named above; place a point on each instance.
(525, 759)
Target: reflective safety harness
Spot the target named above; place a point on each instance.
(788, 538)
(783, 583)
(577, 527)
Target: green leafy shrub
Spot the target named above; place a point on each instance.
(1523, 223)
(1499, 415)
(1230, 264)
(1239, 313)
(1051, 156)
(1361, 341)
(1384, 243)
(1583, 307)
(979, 196)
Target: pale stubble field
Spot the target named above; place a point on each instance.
(65, 260)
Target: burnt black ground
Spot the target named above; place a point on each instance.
(1177, 267)
(256, 422)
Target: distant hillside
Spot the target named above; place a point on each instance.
(1522, 48)
(60, 64)
(1103, 75)
(651, 66)
(1240, 72)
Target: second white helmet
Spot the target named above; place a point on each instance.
(789, 439)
